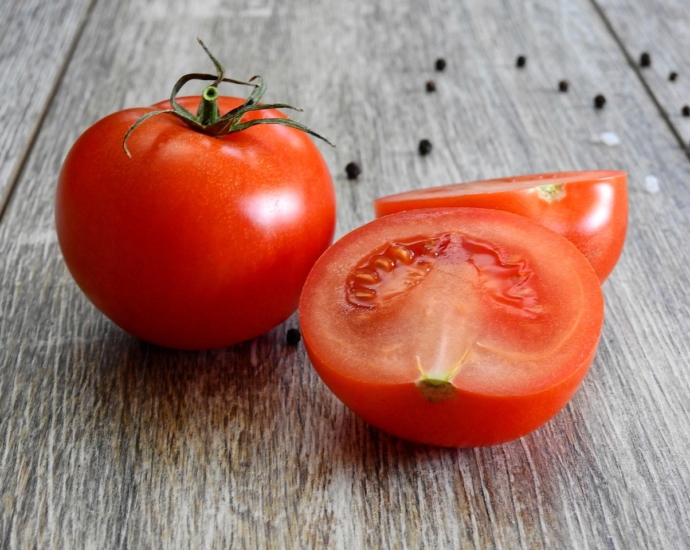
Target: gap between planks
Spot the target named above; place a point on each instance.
(24, 156)
(638, 73)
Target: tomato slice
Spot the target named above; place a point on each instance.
(455, 327)
(589, 208)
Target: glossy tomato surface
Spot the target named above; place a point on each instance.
(454, 327)
(195, 242)
(589, 208)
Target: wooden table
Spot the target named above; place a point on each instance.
(108, 442)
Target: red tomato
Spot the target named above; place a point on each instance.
(455, 327)
(194, 242)
(588, 208)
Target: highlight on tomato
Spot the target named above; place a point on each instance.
(589, 208)
(193, 224)
(455, 327)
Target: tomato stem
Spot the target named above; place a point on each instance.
(208, 119)
(208, 113)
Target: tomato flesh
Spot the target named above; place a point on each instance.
(454, 327)
(589, 208)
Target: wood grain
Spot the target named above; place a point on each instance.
(662, 29)
(35, 42)
(108, 442)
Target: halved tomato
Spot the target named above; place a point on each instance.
(589, 208)
(455, 327)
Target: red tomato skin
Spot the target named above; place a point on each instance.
(195, 242)
(593, 214)
(468, 420)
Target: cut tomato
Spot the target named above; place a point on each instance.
(589, 208)
(455, 327)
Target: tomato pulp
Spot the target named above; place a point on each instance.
(454, 327)
(589, 208)
(195, 241)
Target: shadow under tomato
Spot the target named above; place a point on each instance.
(258, 388)
(166, 402)
(255, 420)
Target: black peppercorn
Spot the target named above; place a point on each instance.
(424, 147)
(440, 64)
(672, 76)
(563, 86)
(353, 170)
(599, 101)
(293, 337)
(645, 60)
(685, 110)
(431, 86)
(520, 61)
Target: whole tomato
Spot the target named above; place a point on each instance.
(195, 241)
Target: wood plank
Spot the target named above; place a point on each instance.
(662, 29)
(110, 442)
(35, 42)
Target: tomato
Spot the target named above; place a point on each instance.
(195, 241)
(455, 327)
(589, 208)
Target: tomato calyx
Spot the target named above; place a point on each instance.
(438, 387)
(208, 119)
(552, 192)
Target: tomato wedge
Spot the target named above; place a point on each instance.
(589, 208)
(456, 327)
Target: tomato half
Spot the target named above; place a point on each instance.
(589, 208)
(455, 327)
(194, 242)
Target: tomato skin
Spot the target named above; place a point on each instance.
(470, 420)
(487, 412)
(195, 242)
(592, 214)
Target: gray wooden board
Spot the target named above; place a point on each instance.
(35, 40)
(111, 442)
(662, 29)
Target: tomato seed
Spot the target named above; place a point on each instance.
(440, 64)
(599, 101)
(402, 253)
(363, 293)
(293, 337)
(645, 59)
(353, 170)
(563, 86)
(431, 86)
(521, 61)
(672, 76)
(424, 147)
(366, 276)
(381, 262)
(685, 110)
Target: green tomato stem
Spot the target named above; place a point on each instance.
(208, 114)
(208, 119)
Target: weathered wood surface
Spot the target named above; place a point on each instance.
(110, 442)
(662, 29)
(35, 42)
